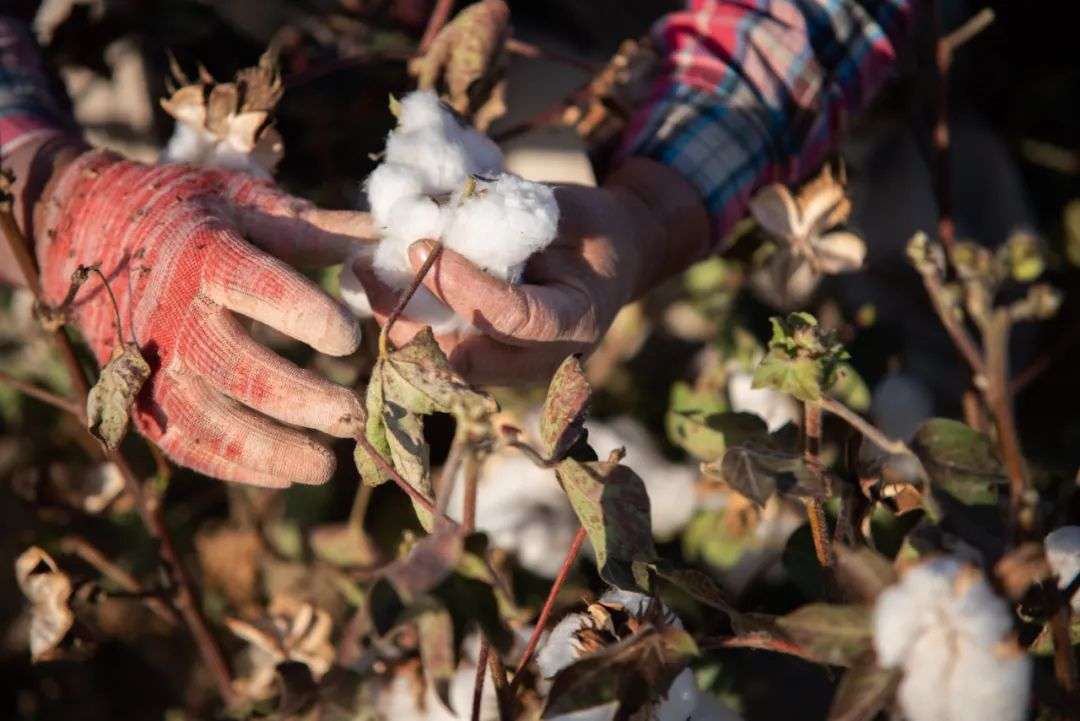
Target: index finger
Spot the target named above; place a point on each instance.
(517, 314)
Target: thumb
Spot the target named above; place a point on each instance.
(296, 230)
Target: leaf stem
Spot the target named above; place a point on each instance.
(418, 497)
(384, 334)
(112, 298)
(549, 605)
(41, 394)
(481, 672)
(863, 426)
(78, 546)
(815, 512)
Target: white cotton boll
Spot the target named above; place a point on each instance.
(560, 647)
(387, 184)
(349, 287)
(422, 109)
(503, 223)
(943, 625)
(775, 408)
(187, 145)
(398, 699)
(442, 162)
(681, 700)
(1063, 555)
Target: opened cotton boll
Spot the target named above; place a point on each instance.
(1063, 555)
(952, 637)
(442, 180)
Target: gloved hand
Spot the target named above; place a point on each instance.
(186, 249)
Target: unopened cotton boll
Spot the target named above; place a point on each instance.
(1063, 554)
(951, 636)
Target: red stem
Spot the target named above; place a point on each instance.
(549, 605)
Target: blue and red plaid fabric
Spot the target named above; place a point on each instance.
(30, 105)
(751, 91)
(756, 91)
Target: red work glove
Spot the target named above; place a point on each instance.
(178, 245)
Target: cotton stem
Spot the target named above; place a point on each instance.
(819, 528)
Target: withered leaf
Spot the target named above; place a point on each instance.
(48, 589)
(466, 57)
(756, 472)
(428, 563)
(342, 544)
(410, 454)
(612, 504)
(697, 584)
(418, 377)
(562, 418)
(628, 674)
(864, 690)
(830, 634)
(862, 573)
(375, 431)
(435, 627)
(108, 405)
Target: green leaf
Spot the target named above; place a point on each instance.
(850, 389)
(108, 405)
(613, 506)
(959, 460)
(626, 675)
(697, 584)
(798, 377)
(342, 544)
(803, 360)
(562, 418)
(697, 422)
(864, 690)
(830, 634)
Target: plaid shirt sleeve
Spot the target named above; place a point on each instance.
(755, 91)
(31, 106)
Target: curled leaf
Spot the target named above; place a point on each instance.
(108, 405)
(562, 418)
(49, 590)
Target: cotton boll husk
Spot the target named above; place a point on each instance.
(1063, 555)
(503, 223)
(775, 408)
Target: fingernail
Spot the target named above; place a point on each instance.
(420, 250)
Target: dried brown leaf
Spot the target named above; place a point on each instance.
(108, 405)
(49, 591)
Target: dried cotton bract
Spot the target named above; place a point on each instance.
(227, 125)
(579, 634)
(443, 180)
(952, 637)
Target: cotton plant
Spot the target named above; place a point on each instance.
(524, 511)
(226, 125)
(442, 180)
(1063, 554)
(805, 241)
(579, 634)
(944, 628)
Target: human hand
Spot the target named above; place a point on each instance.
(184, 250)
(614, 244)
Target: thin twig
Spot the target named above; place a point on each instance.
(481, 672)
(969, 349)
(112, 299)
(999, 401)
(360, 505)
(85, 550)
(857, 422)
(1064, 662)
(40, 393)
(186, 597)
(971, 27)
(403, 301)
(819, 528)
(502, 686)
(439, 15)
(418, 497)
(549, 605)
